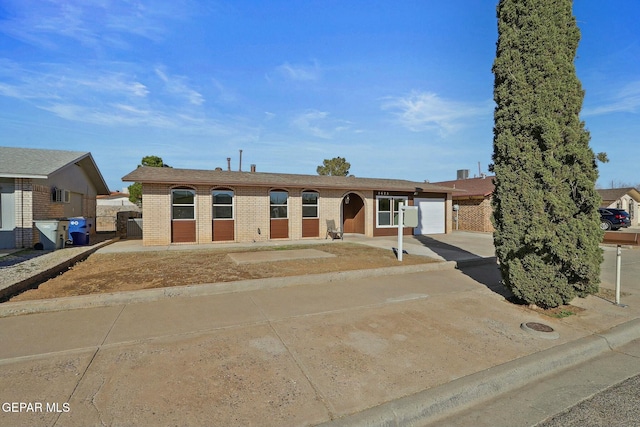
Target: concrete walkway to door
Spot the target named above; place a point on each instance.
(459, 246)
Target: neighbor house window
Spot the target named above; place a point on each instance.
(309, 204)
(278, 204)
(60, 196)
(183, 204)
(388, 207)
(222, 204)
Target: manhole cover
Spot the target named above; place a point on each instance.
(540, 330)
(539, 327)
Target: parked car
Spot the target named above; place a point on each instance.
(613, 219)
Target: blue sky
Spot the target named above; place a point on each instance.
(401, 89)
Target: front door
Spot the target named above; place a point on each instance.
(353, 214)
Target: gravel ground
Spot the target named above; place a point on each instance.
(21, 265)
(24, 264)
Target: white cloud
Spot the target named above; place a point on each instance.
(92, 23)
(225, 95)
(300, 72)
(319, 124)
(115, 98)
(177, 86)
(626, 100)
(309, 123)
(422, 111)
(44, 82)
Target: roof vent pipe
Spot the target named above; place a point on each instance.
(240, 166)
(229, 164)
(253, 168)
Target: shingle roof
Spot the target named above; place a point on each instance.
(32, 163)
(40, 164)
(612, 194)
(474, 187)
(261, 179)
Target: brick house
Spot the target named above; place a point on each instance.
(44, 184)
(623, 198)
(204, 206)
(474, 203)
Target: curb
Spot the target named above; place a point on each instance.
(147, 295)
(434, 404)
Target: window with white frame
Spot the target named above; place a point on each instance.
(183, 204)
(387, 208)
(60, 196)
(310, 204)
(222, 204)
(278, 204)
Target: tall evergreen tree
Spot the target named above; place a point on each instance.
(545, 203)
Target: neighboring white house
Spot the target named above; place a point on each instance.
(41, 185)
(627, 199)
(116, 198)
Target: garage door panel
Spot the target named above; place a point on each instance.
(431, 216)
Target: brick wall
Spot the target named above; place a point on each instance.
(156, 214)
(252, 220)
(474, 215)
(24, 235)
(43, 207)
(251, 212)
(329, 209)
(33, 202)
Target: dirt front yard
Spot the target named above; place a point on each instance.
(113, 272)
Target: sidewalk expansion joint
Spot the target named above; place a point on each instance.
(330, 409)
(95, 353)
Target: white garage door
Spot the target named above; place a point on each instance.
(430, 216)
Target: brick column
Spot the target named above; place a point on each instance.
(24, 235)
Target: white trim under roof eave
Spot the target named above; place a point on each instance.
(22, 175)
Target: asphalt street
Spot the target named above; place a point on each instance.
(614, 407)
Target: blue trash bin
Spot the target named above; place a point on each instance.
(78, 231)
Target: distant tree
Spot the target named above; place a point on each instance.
(135, 189)
(153, 161)
(338, 166)
(545, 203)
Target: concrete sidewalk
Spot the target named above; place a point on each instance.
(404, 348)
